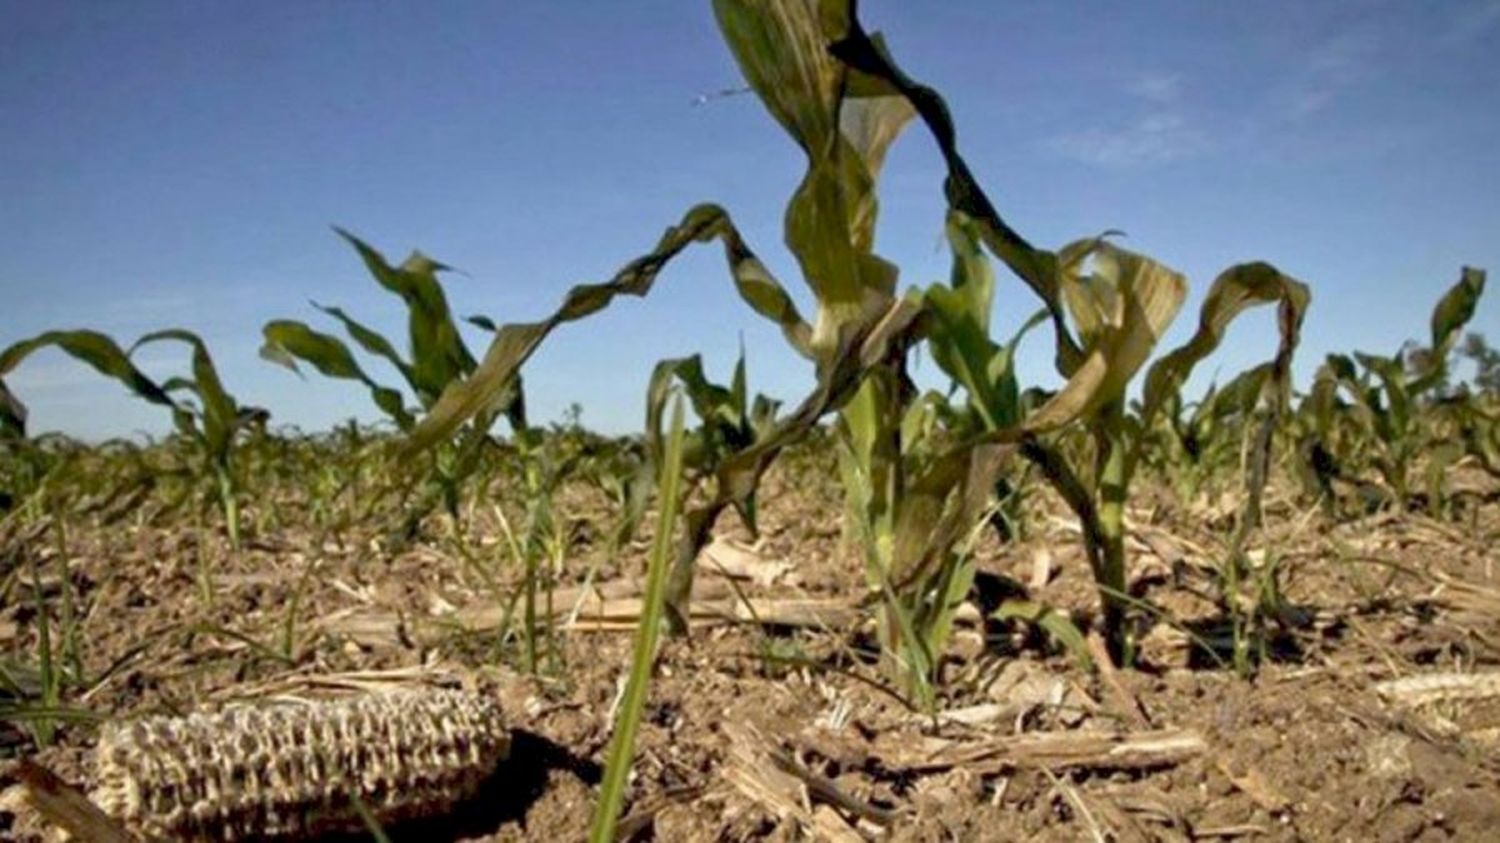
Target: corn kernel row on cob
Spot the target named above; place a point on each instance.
(291, 771)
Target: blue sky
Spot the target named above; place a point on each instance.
(180, 164)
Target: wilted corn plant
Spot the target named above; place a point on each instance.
(437, 358)
(298, 772)
(918, 481)
(211, 421)
(1395, 409)
(1119, 310)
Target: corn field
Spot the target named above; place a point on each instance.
(1111, 608)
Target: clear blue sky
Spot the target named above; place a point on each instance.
(180, 163)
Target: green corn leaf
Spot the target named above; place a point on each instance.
(1135, 299)
(373, 342)
(727, 424)
(971, 276)
(1238, 397)
(1395, 416)
(1038, 268)
(515, 343)
(965, 353)
(633, 700)
(438, 354)
(781, 49)
(287, 341)
(845, 130)
(1058, 626)
(958, 331)
(1452, 313)
(1236, 290)
(220, 413)
(12, 414)
(98, 351)
(1456, 308)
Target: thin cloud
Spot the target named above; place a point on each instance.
(1152, 139)
(1164, 88)
(1333, 67)
(1162, 133)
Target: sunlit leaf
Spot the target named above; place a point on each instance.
(1235, 290)
(438, 355)
(514, 343)
(95, 349)
(287, 341)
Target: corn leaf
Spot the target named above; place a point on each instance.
(12, 414)
(438, 355)
(1236, 290)
(287, 341)
(220, 414)
(1131, 300)
(515, 343)
(781, 47)
(1056, 624)
(98, 351)
(1452, 313)
(375, 343)
(1456, 308)
(1036, 267)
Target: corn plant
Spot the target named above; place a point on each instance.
(1119, 308)
(211, 419)
(437, 358)
(1193, 442)
(920, 484)
(1386, 398)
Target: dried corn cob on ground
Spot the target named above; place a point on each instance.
(292, 772)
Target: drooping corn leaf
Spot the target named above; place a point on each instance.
(12, 414)
(844, 129)
(1038, 268)
(514, 343)
(220, 413)
(1236, 290)
(1132, 300)
(98, 351)
(287, 341)
(375, 343)
(1456, 308)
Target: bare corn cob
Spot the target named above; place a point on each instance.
(292, 771)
